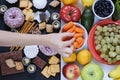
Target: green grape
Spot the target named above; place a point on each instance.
(114, 60)
(97, 33)
(106, 33)
(119, 32)
(115, 41)
(104, 48)
(113, 25)
(103, 41)
(102, 55)
(100, 37)
(116, 30)
(107, 40)
(109, 46)
(117, 36)
(109, 61)
(112, 34)
(118, 27)
(117, 48)
(99, 28)
(113, 28)
(106, 57)
(95, 37)
(110, 29)
(97, 42)
(112, 48)
(112, 54)
(109, 25)
(118, 57)
(111, 39)
(98, 47)
(105, 29)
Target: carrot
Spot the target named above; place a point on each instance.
(76, 35)
(79, 39)
(75, 45)
(68, 26)
(79, 30)
(79, 45)
(72, 29)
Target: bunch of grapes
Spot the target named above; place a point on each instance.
(107, 41)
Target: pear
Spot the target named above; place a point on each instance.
(92, 72)
(115, 73)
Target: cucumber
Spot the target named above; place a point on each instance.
(87, 18)
(116, 14)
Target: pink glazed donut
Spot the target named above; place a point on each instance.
(13, 17)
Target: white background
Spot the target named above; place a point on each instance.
(106, 68)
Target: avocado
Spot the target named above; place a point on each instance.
(116, 14)
(87, 18)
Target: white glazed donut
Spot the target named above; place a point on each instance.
(13, 17)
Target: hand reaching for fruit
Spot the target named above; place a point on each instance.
(64, 48)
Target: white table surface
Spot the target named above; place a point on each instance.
(106, 68)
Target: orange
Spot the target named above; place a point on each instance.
(84, 57)
(70, 59)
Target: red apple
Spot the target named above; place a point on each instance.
(71, 71)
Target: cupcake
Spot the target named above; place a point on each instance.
(39, 4)
(11, 1)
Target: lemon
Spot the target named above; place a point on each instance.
(70, 59)
(84, 57)
(87, 3)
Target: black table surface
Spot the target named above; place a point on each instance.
(25, 75)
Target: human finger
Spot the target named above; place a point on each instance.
(69, 42)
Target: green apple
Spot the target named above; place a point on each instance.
(92, 72)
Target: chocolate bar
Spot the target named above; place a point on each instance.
(39, 62)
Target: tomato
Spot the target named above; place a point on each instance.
(70, 13)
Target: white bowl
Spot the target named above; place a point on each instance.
(85, 35)
(99, 17)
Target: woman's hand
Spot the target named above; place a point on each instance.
(63, 47)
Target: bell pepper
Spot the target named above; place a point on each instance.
(66, 2)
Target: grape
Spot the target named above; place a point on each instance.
(114, 60)
(107, 40)
(118, 57)
(105, 28)
(109, 61)
(112, 48)
(99, 28)
(98, 47)
(103, 41)
(97, 33)
(100, 37)
(106, 33)
(102, 55)
(110, 29)
(117, 48)
(112, 54)
(106, 57)
(112, 34)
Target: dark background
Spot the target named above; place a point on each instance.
(25, 75)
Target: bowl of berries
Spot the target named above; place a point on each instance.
(103, 9)
(104, 41)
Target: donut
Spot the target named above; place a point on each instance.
(13, 17)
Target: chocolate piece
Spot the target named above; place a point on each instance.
(16, 56)
(42, 16)
(39, 62)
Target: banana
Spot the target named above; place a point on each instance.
(117, 79)
(115, 73)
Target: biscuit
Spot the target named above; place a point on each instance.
(44, 72)
(23, 3)
(50, 73)
(55, 68)
(19, 65)
(54, 60)
(10, 63)
(29, 5)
